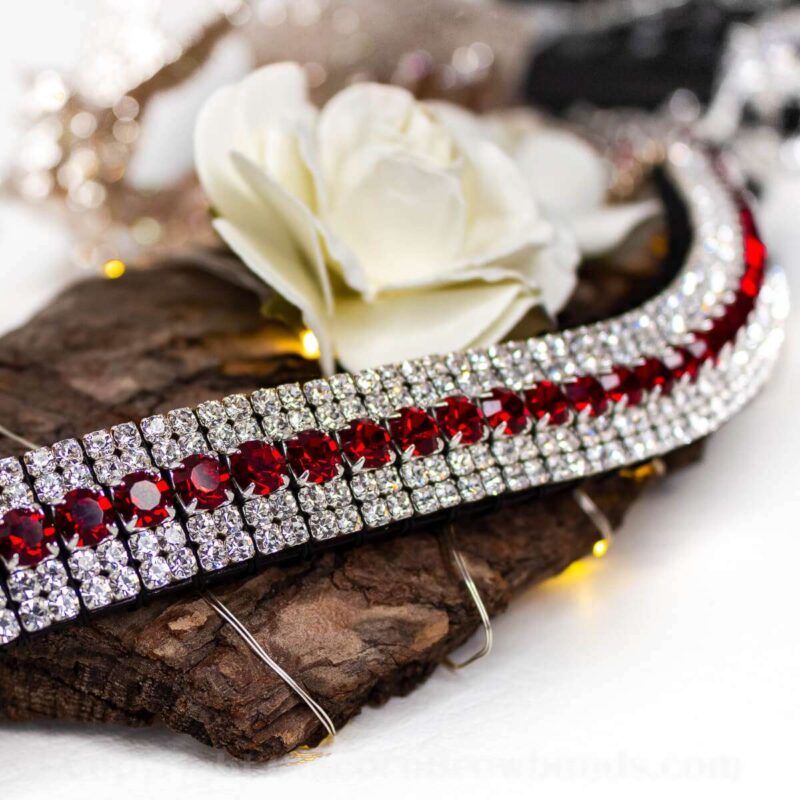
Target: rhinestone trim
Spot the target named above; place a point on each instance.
(691, 358)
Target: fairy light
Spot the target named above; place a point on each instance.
(114, 268)
(309, 344)
(600, 548)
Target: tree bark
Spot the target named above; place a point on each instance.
(355, 626)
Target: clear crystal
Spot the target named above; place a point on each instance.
(96, 591)
(424, 500)
(99, 444)
(268, 538)
(342, 385)
(276, 426)
(399, 504)
(23, 584)
(376, 512)
(76, 476)
(124, 583)
(318, 392)
(83, 564)
(155, 572)
(294, 531)
(126, 436)
(63, 603)
(51, 575)
(211, 413)
(155, 427)
(50, 488)
(349, 519)
(166, 453)
(447, 494)
(10, 471)
(183, 421)
(39, 461)
(265, 402)
(330, 416)
(182, 563)
(34, 614)
(9, 627)
(323, 524)
(471, 488)
(237, 406)
(108, 470)
(134, 459)
(239, 547)
(112, 554)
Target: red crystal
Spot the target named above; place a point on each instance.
(458, 415)
(363, 438)
(693, 356)
(503, 407)
(259, 465)
(315, 455)
(587, 392)
(202, 482)
(24, 532)
(547, 398)
(85, 515)
(416, 430)
(654, 373)
(755, 255)
(621, 383)
(143, 500)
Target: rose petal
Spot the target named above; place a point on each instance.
(563, 172)
(367, 114)
(283, 275)
(410, 325)
(404, 219)
(296, 217)
(603, 229)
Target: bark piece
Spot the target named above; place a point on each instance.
(355, 625)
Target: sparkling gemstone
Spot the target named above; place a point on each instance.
(693, 355)
(654, 373)
(365, 439)
(259, 465)
(415, 431)
(202, 482)
(86, 514)
(506, 411)
(621, 383)
(96, 591)
(755, 255)
(143, 499)
(458, 416)
(25, 533)
(314, 456)
(587, 392)
(546, 397)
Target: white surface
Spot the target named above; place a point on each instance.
(669, 667)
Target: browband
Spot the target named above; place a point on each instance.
(193, 495)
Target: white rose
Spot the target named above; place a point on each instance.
(398, 228)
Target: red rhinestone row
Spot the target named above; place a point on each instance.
(144, 499)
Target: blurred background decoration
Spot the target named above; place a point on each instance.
(110, 145)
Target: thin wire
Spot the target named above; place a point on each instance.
(598, 518)
(248, 638)
(17, 438)
(461, 565)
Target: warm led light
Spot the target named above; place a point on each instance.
(309, 344)
(114, 268)
(600, 548)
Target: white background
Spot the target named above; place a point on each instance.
(671, 666)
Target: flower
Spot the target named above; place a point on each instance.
(398, 227)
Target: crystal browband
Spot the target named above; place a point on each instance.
(190, 495)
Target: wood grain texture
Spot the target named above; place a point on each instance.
(356, 626)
